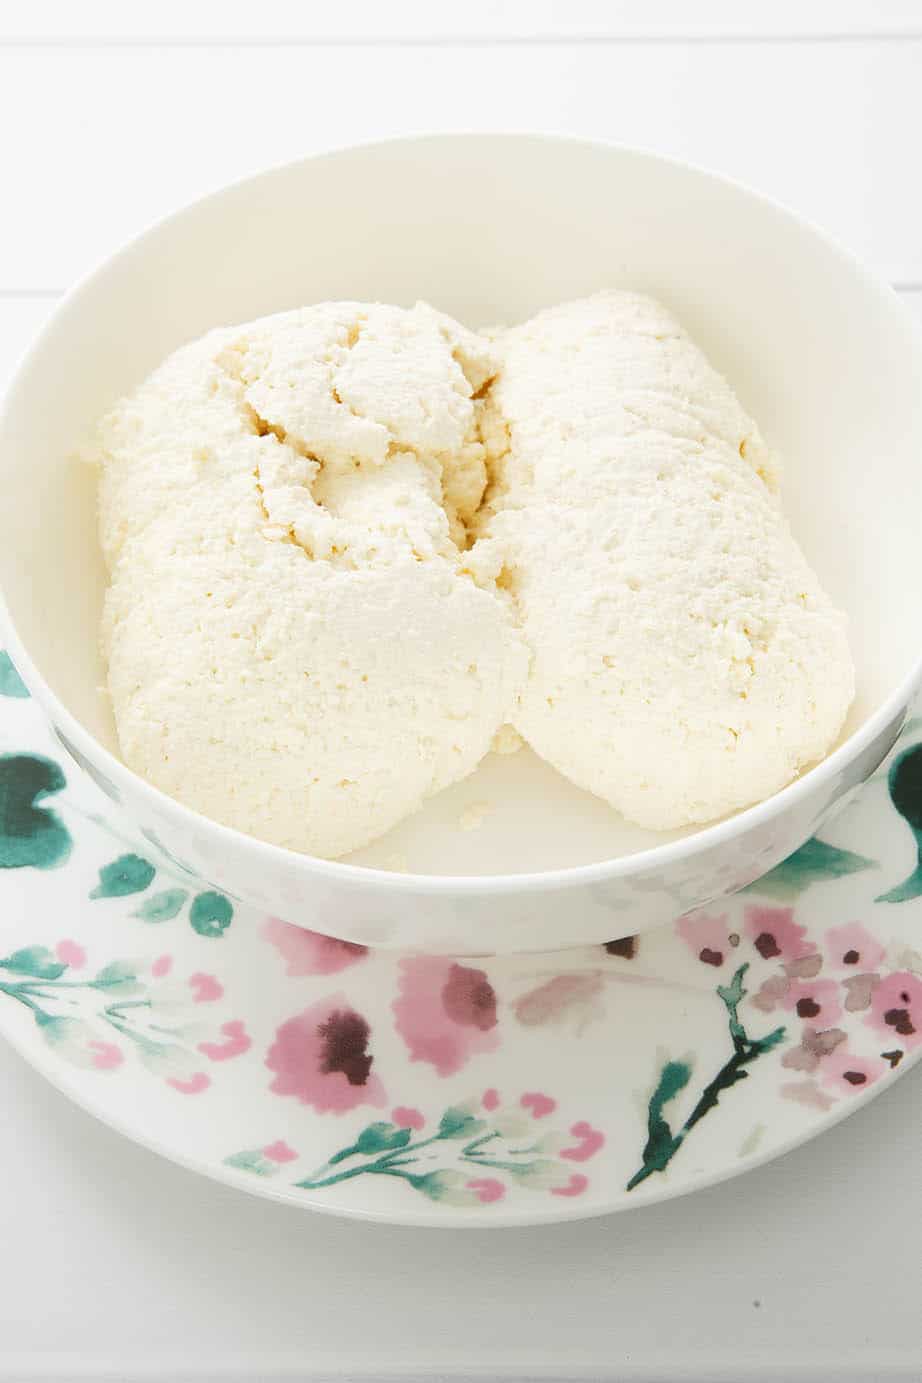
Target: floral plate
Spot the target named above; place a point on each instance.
(426, 1090)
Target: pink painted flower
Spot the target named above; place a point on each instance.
(488, 1189)
(309, 953)
(853, 948)
(195, 1084)
(205, 988)
(107, 1057)
(235, 1043)
(589, 1140)
(775, 933)
(706, 934)
(896, 1008)
(404, 1117)
(445, 1012)
(540, 1105)
(847, 1073)
(816, 1001)
(490, 1099)
(322, 1058)
(70, 953)
(161, 966)
(574, 1187)
(279, 1152)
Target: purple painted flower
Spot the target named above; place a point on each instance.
(896, 1008)
(813, 1047)
(775, 933)
(309, 953)
(807, 1093)
(859, 991)
(445, 1012)
(560, 998)
(322, 1057)
(771, 993)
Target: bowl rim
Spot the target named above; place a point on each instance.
(264, 853)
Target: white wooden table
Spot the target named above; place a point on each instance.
(114, 1265)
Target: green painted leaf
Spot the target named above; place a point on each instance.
(458, 1122)
(115, 973)
(811, 864)
(904, 782)
(382, 1137)
(128, 874)
(661, 1142)
(118, 980)
(910, 888)
(36, 961)
(11, 684)
(445, 1184)
(252, 1160)
(30, 834)
(211, 913)
(160, 907)
(731, 996)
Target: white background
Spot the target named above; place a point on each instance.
(114, 1265)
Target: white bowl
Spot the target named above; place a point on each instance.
(490, 228)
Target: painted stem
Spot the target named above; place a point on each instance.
(15, 992)
(390, 1158)
(662, 1143)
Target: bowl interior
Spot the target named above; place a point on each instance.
(491, 229)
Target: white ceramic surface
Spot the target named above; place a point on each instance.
(794, 322)
(439, 1091)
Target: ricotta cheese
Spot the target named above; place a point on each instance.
(352, 547)
(294, 646)
(685, 660)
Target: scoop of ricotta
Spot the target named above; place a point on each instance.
(685, 660)
(295, 645)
